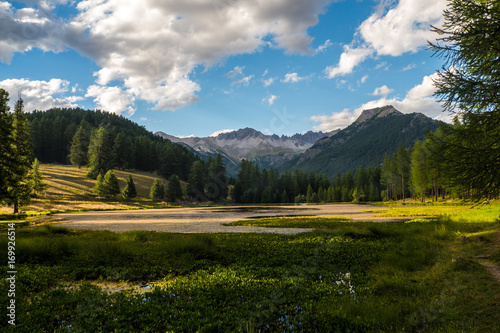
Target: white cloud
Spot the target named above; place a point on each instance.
(418, 99)
(111, 99)
(237, 71)
(323, 47)
(268, 82)
(364, 78)
(349, 59)
(216, 133)
(401, 29)
(292, 78)
(382, 91)
(27, 28)
(40, 95)
(153, 47)
(265, 72)
(270, 99)
(410, 66)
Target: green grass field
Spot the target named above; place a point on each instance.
(424, 275)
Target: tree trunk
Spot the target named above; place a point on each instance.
(16, 208)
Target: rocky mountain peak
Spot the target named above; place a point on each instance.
(377, 113)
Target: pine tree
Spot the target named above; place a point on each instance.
(19, 189)
(79, 148)
(98, 188)
(469, 84)
(419, 170)
(129, 191)
(38, 186)
(121, 151)
(310, 194)
(6, 144)
(217, 178)
(196, 186)
(110, 184)
(157, 191)
(174, 190)
(100, 152)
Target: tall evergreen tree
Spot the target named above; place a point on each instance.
(79, 148)
(217, 178)
(100, 152)
(196, 186)
(110, 184)
(19, 188)
(470, 85)
(98, 188)
(6, 144)
(37, 185)
(174, 190)
(157, 191)
(129, 190)
(121, 151)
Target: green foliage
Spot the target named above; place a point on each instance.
(54, 130)
(129, 190)
(79, 147)
(157, 191)
(6, 144)
(346, 277)
(196, 186)
(365, 144)
(37, 184)
(469, 85)
(100, 153)
(174, 190)
(99, 186)
(110, 185)
(18, 185)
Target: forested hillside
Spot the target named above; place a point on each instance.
(365, 142)
(128, 145)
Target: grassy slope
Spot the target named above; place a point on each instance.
(70, 189)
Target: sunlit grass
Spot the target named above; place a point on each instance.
(461, 213)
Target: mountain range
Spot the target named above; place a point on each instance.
(365, 142)
(250, 144)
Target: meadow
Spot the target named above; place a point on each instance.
(419, 276)
(430, 273)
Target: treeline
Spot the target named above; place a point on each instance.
(429, 169)
(107, 140)
(268, 186)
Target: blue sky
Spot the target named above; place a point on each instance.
(202, 66)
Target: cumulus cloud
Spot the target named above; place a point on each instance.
(382, 91)
(270, 99)
(401, 29)
(292, 78)
(111, 99)
(349, 59)
(40, 95)
(27, 28)
(418, 99)
(153, 47)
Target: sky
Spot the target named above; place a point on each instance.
(202, 67)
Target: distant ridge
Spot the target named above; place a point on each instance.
(248, 143)
(365, 142)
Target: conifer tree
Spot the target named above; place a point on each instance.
(196, 186)
(110, 184)
(100, 152)
(129, 190)
(174, 190)
(98, 188)
(157, 191)
(38, 186)
(19, 188)
(79, 148)
(6, 144)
